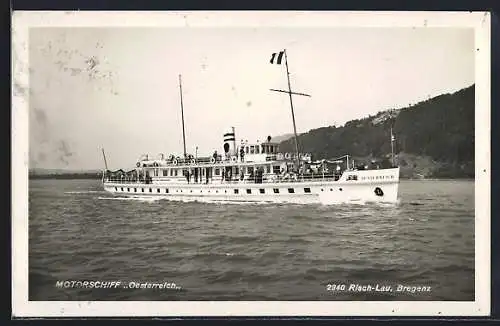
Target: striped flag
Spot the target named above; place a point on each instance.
(277, 57)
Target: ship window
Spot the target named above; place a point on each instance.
(268, 169)
(165, 173)
(122, 189)
(276, 169)
(135, 189)
(257, 149)
(236, 171)
(307, 190)
(217, 171)
(176, 172)
(128, 189)
(249, 169)
(261, 191)
(246, 150)
(236, 191)
(116, 189)
(142, 189)
(252, 149)
(271, 149)
(166, 190)
(150, 189)
(158, 190)
(249, 191)
(276, 190)
(291, 191)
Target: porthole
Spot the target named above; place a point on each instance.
(307, 190)
(262, 191)
(291, 190)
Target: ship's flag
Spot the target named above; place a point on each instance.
(277, 57)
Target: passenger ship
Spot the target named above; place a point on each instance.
(255, 172)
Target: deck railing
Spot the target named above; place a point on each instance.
(246, 180)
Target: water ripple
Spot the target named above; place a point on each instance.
(248, 251)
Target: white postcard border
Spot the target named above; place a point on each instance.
(23, 20)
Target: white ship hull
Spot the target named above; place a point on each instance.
(379, 185)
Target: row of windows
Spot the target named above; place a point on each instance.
(236, 170)
(254, 149)
(378, 177)
(236, 191)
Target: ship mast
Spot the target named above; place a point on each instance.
(291, 107)
(105, 161)
(392, 148)
(182, 115)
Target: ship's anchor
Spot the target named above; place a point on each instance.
(379, 192)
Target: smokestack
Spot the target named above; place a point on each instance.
(230, 142)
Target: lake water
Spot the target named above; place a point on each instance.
(77, 232)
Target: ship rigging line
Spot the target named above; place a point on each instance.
(182, 116)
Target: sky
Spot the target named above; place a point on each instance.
(118, 88)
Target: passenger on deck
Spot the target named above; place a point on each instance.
(242, 154)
